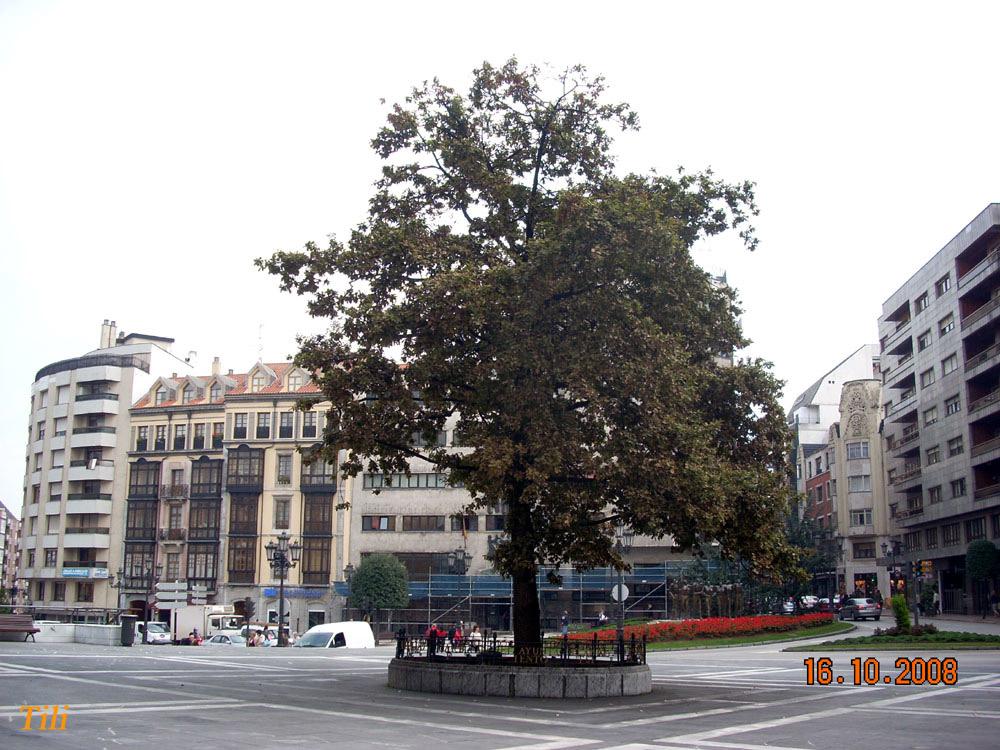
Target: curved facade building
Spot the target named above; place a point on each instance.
(76, 469)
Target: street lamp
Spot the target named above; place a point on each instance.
(153, 579)
(117, 582)
(282, 556)
(892, 553)
(458, 561)
(623, 544)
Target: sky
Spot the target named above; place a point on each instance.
(150, 151)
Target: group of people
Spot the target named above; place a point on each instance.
(453, 640)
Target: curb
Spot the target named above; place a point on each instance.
(748, 645)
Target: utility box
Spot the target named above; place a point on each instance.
(128, 629)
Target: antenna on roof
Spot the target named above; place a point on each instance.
(260, 342)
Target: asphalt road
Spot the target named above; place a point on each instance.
(220, 697)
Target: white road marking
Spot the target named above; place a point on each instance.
(696, 738)
(132, 709)
(739, 672)
(111, 704)
(972, 714)
(986, 679)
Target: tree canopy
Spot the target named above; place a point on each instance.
(379, 583)
(507, 277)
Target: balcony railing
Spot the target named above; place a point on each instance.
(84, 564)
(985, 447)
(980, 313)
(97, 462)
(982, 403)
(87, 530)
(978, 359)
(180, 443)
(988, 491)
(263, 433)
(285, 431)
(89, 496)
(97, 397)
(239, 433)
(904, 439)
(981, 264)
(216, 441)
(89, 430)
(908, 472)
(173, 491)
(209, 533)
(173, 535)
(318, 479)
(199, 442)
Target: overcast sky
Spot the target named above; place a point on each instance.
(150, 151)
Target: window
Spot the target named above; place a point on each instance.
(175, 517)
(144, 479)
(833, 488)
(934, 494)
(203, 522)
(281, 505)
(955, 446)
(952, 405)
(245, 467)
(975, 528)
(309, 424)
(50, 558)
(141, 438)
(423, 523)
(930, 538)
(31, 559)
(294, 381)
(859, 483)
(286, 425)
(819, 464)
(943, 285)
(218, 430)
(922, 302)
(468, 522)
(946, 324)
(857, 450)
(923, 340)
(378, 523)
(187, 395)
(315, 562)
(861, 517)
(284, 468)
(317, 472)
(317, 514)
(912, 541)
(949, 365)
(949, 534)
(930, 416)
(240, 426)
(242, 559)
(958, 487)
(927, 378)
(933, 455)
(180, 437)
(263, 425)
(161, 396)
(40, 586)
(494, 522)
(206, 477)
(258, 383)
(84, 592)
(59, 591)
(864, 550)
(199, 436)
(173, 571)
(995, 525)
(404, 481)
(202, 561)
(140, 519)
(215, 392)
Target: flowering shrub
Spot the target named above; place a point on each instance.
(713, 627)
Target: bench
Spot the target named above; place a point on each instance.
(19, 624)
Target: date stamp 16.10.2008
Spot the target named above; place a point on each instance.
(868, 671)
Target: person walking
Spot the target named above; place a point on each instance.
(475, 640)
(564, 623)
(432, 640)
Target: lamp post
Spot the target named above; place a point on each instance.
(623, 544)
(282, 556)
(117, 582)
(892, 552)
(154, 577)
(458, 561)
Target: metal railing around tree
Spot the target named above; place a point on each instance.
(493, 649)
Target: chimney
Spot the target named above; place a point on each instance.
(112, 337)
(106, 335)
(230, 372)
(216, 366)
(173, 375)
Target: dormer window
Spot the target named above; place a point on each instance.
(216, 392)
(187, 395)
(161, 396)
(294, 381)
(258, 383)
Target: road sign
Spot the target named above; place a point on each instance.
(619, 596)
(170, 605)
(175, 586)
(199, 590)
(198, 601)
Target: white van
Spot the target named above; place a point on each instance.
(338, 635)
(159, 634)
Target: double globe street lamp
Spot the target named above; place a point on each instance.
(623, 545)
(282, 557)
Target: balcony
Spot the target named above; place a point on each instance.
(96, 403)
(982, 357)
(100, 507)
(908, 472)
(173, 535)
(91, 537)
(980, 313)
(263, 433)
(198, 443)
(180, 443)
(239, 433)
(89, 496)
(985, 447)
(905, 439)
(97, 396)
(988, 491)
(989, 261)
(174, 491)
(102, 470)
(93, 437)
(981, 403)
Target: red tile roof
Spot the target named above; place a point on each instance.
(242, 386)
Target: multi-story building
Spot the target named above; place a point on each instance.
(940, 335)
(817, 408)
(76, 468)
(220, 466)
(10, 539)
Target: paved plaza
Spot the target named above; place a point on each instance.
(750, 697)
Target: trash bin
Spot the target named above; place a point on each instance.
(128, 629)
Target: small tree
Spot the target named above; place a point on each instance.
(902, 613)
(379, 583)
(981, 562)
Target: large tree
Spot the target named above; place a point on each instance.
(508, 277)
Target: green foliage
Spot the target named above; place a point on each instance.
(379, 583)
(901, 611)
(927, 597)
(553, 308)
(982, 560)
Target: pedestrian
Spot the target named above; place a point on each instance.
(475, 640)
(877, 596)
(564, 622)
(602, 619)
(432, 639)
(456, 638)
(995, 604)
(937, 603)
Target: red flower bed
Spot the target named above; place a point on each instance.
(713, 627)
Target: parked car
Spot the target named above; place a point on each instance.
(788, 606)
(338, 634)
(809, 601)
(861, 609)
(159, 634)
(824, 605)
(226, 639)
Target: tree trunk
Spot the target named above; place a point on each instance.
(527, 618)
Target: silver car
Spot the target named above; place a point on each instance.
(861, 609)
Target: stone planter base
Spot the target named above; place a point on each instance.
(510, 681)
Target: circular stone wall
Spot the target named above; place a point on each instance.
(519, 682)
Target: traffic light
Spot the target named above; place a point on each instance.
(926, 567)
